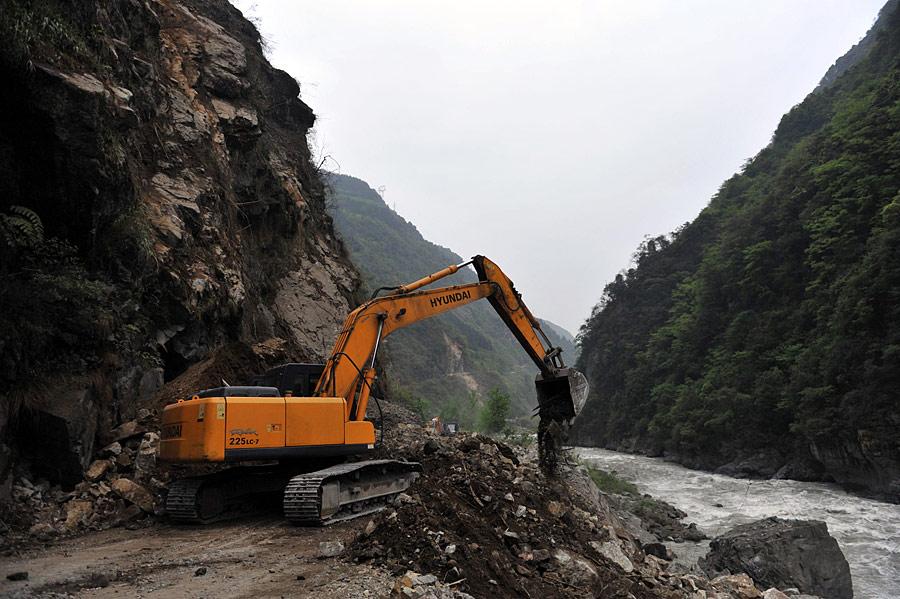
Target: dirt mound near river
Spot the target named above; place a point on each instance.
(492, 525)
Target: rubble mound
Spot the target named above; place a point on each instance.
(491, 524)
(234, 362)
(487, 523)
(122, 487)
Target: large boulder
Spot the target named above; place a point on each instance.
(780, 553)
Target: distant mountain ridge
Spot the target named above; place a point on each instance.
(860, 50)
(446, 357)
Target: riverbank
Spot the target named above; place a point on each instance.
(867, 530)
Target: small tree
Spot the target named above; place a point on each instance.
(414, 402)
(465, 412)
(493, 414)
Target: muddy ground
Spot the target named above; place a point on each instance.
(260, 557)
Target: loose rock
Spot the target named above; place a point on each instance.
(133, 492)
(330, 549)
(778, 553)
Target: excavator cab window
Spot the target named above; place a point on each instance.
(298, 379)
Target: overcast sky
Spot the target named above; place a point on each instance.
(552, 137)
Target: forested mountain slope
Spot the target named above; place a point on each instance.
(443, 359)
(765, 334)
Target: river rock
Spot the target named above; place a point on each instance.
(77, 512)
(424, 586)
(113, 449)
(330, 548)
(737, 585)
(124, 431)
(42, 530)
(145, 460)
(763, 464)
(123, 460)
(781, 554)
(802, 467)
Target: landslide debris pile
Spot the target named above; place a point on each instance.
(485, 522)
(122, 486)
(124, 481)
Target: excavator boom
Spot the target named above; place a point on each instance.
(350, 367)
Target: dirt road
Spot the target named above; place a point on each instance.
(261, 557)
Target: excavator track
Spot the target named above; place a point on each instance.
(349, 491)
(346, 491)
(223, 495)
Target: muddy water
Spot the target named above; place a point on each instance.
(867, 531)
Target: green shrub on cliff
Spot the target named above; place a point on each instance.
(48, 303)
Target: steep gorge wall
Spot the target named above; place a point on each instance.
(169, 161)
(763, 338)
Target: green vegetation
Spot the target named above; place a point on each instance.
(493, 414)
(524, 439)
(612, 484)
(446, 358)
(40, 30)
(49, 306)
(464, 412)
(773, 319)
(414, 402)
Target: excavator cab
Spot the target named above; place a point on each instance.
(297, 379)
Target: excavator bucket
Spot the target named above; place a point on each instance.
(561, 397)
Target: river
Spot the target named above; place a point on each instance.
(867, 531)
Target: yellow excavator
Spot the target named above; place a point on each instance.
(310, 417)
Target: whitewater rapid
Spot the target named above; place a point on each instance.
(867, 531)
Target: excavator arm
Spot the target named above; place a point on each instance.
(350, 368)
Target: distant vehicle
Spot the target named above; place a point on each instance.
(446, 429)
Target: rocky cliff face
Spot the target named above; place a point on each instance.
(155, 141)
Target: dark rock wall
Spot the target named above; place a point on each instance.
(156, 139)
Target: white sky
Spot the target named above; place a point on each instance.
(552, 136)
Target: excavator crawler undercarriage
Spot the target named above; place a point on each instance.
(340, 492)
